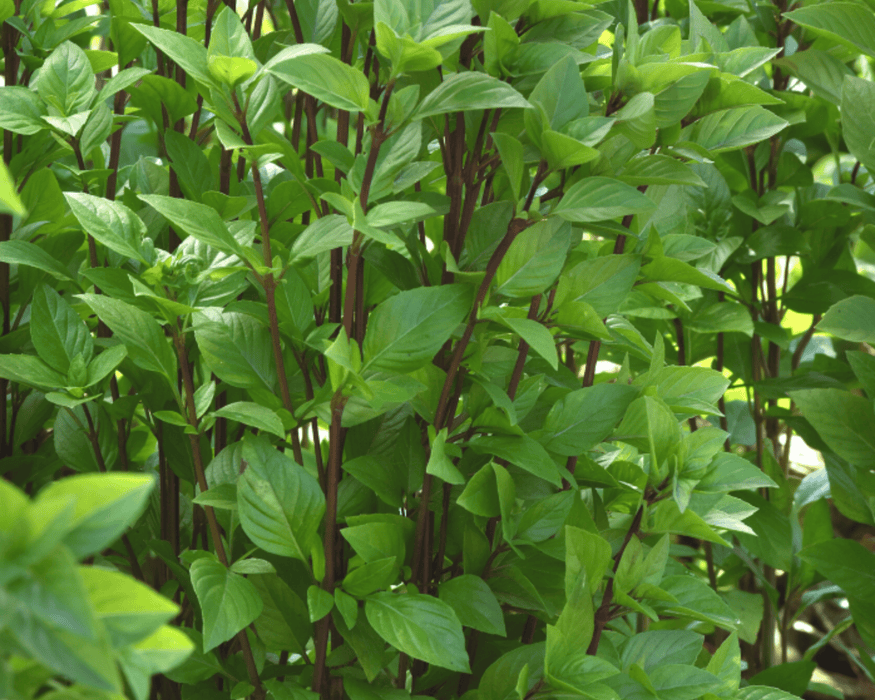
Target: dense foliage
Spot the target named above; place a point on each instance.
(437, 348)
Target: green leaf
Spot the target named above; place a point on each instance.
(536, 335)
(681, 681)
(319, 603)
(30, 370)
(378, 537)
(371, 577)
(696, 599)
(405, 331)
(722, 317)
(819, 70)
(31, 255)
(603, 282)
(544, 518)
(852, 319)
(156, 96)
(347, 606)
(10, 202)
(187, 53)
(105, 505)
(284, 621)
(847, 23)
(480, 495)
(474, 602)
(198, 220)
(324, 77)
(110, 223)
(585, 417)
(142, 335)
(231, 70)
(465, 92)
(499, 681)
(280, 505)
(666, 269)
(534, 259)
(254, 415)
(391, 214)
(54, 592)
(105, 363)
(844, 421)
(659, 170)
(858, 122)
(237, 348)
(97, 128)
(58, 334)
(599, 199)
(792, 677)
(229, 602)
(190, 164)
(222, 496)
(734, 128)
(523, 451)
(384, 477)
(512, 158)
(130, 610)
(80, 660)
(421, 626)
(122, 80)
(65, 81)
(762, 692)
(229, 37)
(21, 110)
(327, 233)
(846, 563)
(439, 464)
(729, 472)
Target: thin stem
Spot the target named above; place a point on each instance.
(603, 613)
(200, 474)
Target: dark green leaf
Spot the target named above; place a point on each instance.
(280, 504)
(405, 331)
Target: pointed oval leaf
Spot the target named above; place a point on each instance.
(280, 504)
(466, 92)
(141, 334)
(110, 223)
(229, 602)
(406, 330)
(601, 198)
(58, 333)
(421, 626)
(326, 78)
